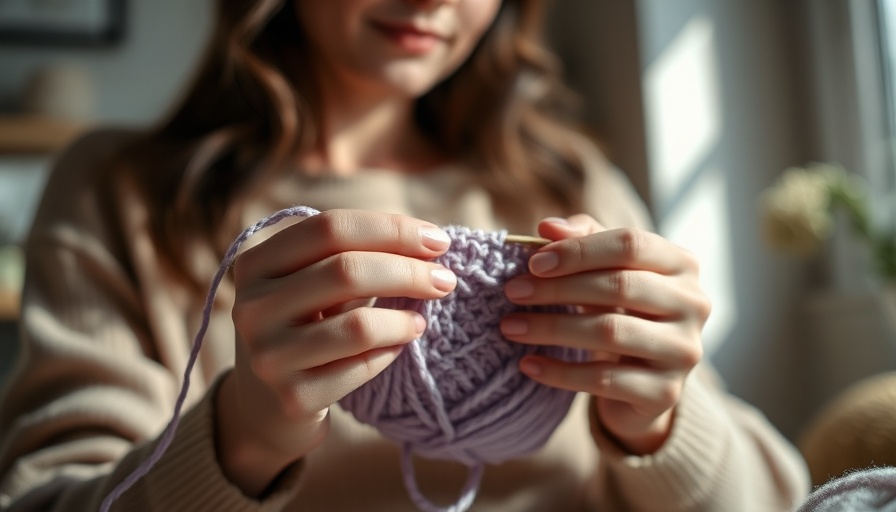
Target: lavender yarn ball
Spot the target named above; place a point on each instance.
(456, 393)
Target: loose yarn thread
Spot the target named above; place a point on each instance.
(455, 393)
(168, 434)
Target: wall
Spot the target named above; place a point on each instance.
(135, 81)
(137, 78)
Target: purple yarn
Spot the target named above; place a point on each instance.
(456, 393)
(168, 433)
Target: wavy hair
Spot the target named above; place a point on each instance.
(246, 114)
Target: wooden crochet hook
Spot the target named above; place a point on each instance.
(524, 239)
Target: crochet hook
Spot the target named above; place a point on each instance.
(524, 239)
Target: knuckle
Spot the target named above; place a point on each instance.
(359, 325)
(241, 269)
(418, 276)
(244, 315)
(691, 355)
(609, 328)
(399, 226)
(347, 268)
(578, 250)
(704, 308)
(667, 394)
(631, 244)
(331, 225)
(371, 369)
(620, 284)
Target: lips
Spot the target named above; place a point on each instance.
(409, 37)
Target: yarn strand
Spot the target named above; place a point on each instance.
(168, 434)
(467, 494)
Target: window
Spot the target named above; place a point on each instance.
(886, 13)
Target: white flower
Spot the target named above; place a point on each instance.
(796, 211)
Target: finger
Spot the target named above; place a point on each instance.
(335, 231)
(341, 278)
(661, 345)
(614, 249)
(556, 228)
(320, 387)
(648, 390)
(647, 293)
(345, 335)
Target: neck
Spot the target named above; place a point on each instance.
(372, 130)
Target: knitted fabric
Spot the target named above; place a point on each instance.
(456, 393)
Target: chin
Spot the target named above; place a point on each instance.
(412, 82)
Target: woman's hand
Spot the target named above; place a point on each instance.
(641, 313)
(307, 334)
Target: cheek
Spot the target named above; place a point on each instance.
(476, 16)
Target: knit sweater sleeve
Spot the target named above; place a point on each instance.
(96, 382)
(722, 454)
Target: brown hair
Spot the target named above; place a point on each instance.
(245, 114)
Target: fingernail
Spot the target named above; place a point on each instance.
(530, 367)
(434, 238)
(514, 326)
(519, 289)
(419, 323)
(443, 279)
(557, 220)
(543, 262)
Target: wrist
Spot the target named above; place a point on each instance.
(646, 440)
(248, 462)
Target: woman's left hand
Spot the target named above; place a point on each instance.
(641, 313)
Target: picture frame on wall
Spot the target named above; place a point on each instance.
(62, 22)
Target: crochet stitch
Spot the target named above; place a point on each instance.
(455, 393)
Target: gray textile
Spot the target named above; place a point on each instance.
(872, 489)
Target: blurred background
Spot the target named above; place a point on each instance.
(703, 103)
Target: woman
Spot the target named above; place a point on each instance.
(393, 117)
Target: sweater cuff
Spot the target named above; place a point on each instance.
(686, 470)
(189, 477)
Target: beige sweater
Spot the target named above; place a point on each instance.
(107, 334)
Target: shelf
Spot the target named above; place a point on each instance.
(24, 134)
(12, 269)
(9, 306)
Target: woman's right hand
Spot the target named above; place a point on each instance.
(307, 334)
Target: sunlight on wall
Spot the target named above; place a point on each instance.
(684, 128)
